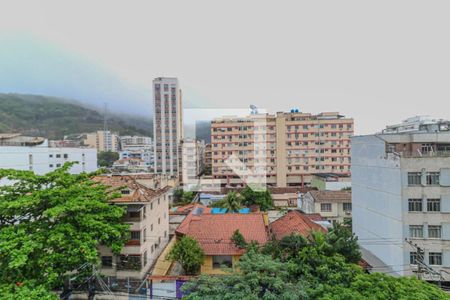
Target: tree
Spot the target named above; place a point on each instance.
(261, 198)
(232, 202)
(182, 197)
(259, 277)
(344, 242)
(52, 224)
(189, 254)
(238, 239)
(107, 158)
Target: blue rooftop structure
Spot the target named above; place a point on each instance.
(245, 210)
(218, 210)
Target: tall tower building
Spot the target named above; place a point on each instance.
(168, 125)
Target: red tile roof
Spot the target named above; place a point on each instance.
(294, 222)
(213, 231)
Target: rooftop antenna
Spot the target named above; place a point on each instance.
(254, 109)
(105, 117)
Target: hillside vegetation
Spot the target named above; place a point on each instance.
(54, 118)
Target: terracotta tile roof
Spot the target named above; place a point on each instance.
(294, 222)
(213, 231)
(332, 196)
(186, 209)
(315, 217)
(138, 192)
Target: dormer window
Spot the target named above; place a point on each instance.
(125, 192)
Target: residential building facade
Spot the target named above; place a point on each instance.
(333, 206)
(168, 125)
(34, 154)
(103, 141)
(192, 160)
(290, 146)
(401, 190)
(146, 199)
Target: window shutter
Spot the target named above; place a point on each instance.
(446, 233)
(445, 203)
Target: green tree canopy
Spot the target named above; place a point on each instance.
(232, 202)
(253, 197)
(189, 254)
(238, 239)
(107, 158)
(52, 224)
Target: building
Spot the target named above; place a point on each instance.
(128, 142)
(289, 146)
(401, 190)
(146, 199)
(213, 232)
(331, 182)
(103, 141)
(207, 160)
(294, 222)
(192, 160)
(168, 125)
(34, 154)
(132, 165)
(333, 206)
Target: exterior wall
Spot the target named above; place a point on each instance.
(43, 159)
(103, 141)
(207, 267)
(297, 145)
(168, 125)
(377, 200)
(155, 224)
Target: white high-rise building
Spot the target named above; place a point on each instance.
(401, 194)
(168, 125)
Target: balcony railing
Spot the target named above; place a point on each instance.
(418, 154)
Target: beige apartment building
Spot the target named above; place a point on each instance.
(146, 198)
(168, 125)
(103, 141)
(290, 146)
(333, 206)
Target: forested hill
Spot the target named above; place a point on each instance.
(53, 118)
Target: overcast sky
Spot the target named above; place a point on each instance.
(378, 62)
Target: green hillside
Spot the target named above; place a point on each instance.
(53, 118)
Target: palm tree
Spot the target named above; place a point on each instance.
(232, 202)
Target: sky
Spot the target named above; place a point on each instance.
(378, 62)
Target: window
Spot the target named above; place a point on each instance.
(66, 155)
(432, 178)
(416, 231)
(129, 262)
(435, 258)
(134, 214)
(433, 204)
(107, 261)
(58, 155)
(50, 155)
(413, 258)
(145, 234)
(58, 165)
(51, 165)
(145, 258)
(414, 204)
(434, 231)
(347, 206)
(325, 207)
(414, 178)
(135, 235)
(222, 260)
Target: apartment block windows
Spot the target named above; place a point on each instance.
(416, 231)
(135, 235)
(325, 207)
(434, 231)
(432, 178)
(107, 261)
(347, 206)
(145, 258)
(413, 258)
(414, 178)
(414, 204)
(433, 204)
(435, 258)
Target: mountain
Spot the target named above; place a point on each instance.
(53, 117)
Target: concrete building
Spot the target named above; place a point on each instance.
(146, 198)
(103, 141)
(290, 146)
(331, 182)
(401, 190)
(128, 142)
(34, 154)
(333, 206)
(192, 160)
(168, 125)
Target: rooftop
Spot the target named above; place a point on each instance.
(418, 124)
(294, 222)
(214, 231)
(331, 196)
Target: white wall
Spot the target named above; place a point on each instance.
(377, 200)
